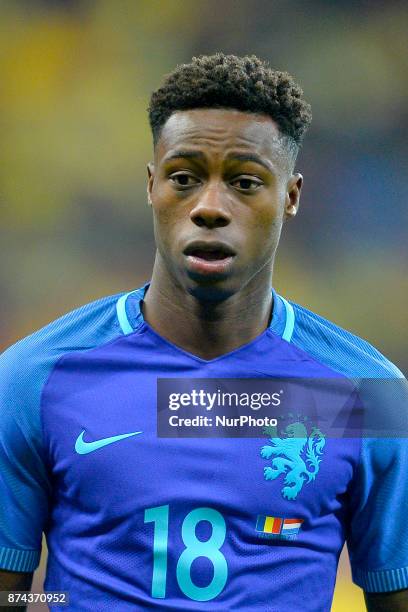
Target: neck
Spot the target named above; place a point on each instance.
(207, 329)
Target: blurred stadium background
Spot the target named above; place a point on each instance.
(74, 225)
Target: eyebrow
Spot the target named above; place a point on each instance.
(244, 157)
(185, 155)
(250, 157)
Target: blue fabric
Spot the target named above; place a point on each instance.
(25, 487)
(126, 524)
(377, 535)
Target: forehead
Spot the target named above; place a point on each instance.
(219, 131)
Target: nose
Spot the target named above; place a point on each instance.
(210, 210)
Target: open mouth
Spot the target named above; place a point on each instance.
(209, 251)
(209, 257)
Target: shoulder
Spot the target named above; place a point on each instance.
(338, 348)
(83, 327)
(26, 365)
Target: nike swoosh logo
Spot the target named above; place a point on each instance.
(82, 447)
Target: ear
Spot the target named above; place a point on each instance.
(292, 197)
(150, 179)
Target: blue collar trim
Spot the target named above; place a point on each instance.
(130, 316)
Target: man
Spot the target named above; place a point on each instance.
(135, 521)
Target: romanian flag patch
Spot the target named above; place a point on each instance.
(279, 528)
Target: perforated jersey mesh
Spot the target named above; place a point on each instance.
(339, 349)
(24, 369)
(377, 535)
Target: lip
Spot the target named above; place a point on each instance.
(209, 267)
(209, 245)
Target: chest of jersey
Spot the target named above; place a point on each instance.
(186, 515)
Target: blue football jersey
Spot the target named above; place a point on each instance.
(134, 521)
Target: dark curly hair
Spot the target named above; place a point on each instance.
(242, 83)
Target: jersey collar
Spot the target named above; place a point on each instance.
(128, 308)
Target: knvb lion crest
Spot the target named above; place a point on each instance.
(296, 455)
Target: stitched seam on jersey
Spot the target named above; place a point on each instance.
(348, 337)
(359, 458)
(302, 352)
(85, 350)
(46, 456)
(116, 326)
(299, 350)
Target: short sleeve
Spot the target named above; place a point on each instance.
(378, 534)
(24, 484)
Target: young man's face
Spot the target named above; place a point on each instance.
(220, 189)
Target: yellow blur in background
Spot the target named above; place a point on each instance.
(76, 76)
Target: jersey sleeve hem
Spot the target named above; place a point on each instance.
(383, 581)
(18, 560)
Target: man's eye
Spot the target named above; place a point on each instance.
(182, 179)
(246, 184)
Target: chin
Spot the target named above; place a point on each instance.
(211, 291)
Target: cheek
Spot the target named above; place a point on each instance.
(163, 212)
(167, 222)
(162, 216)
(265, 225)
(265, 238)
(167, 208)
